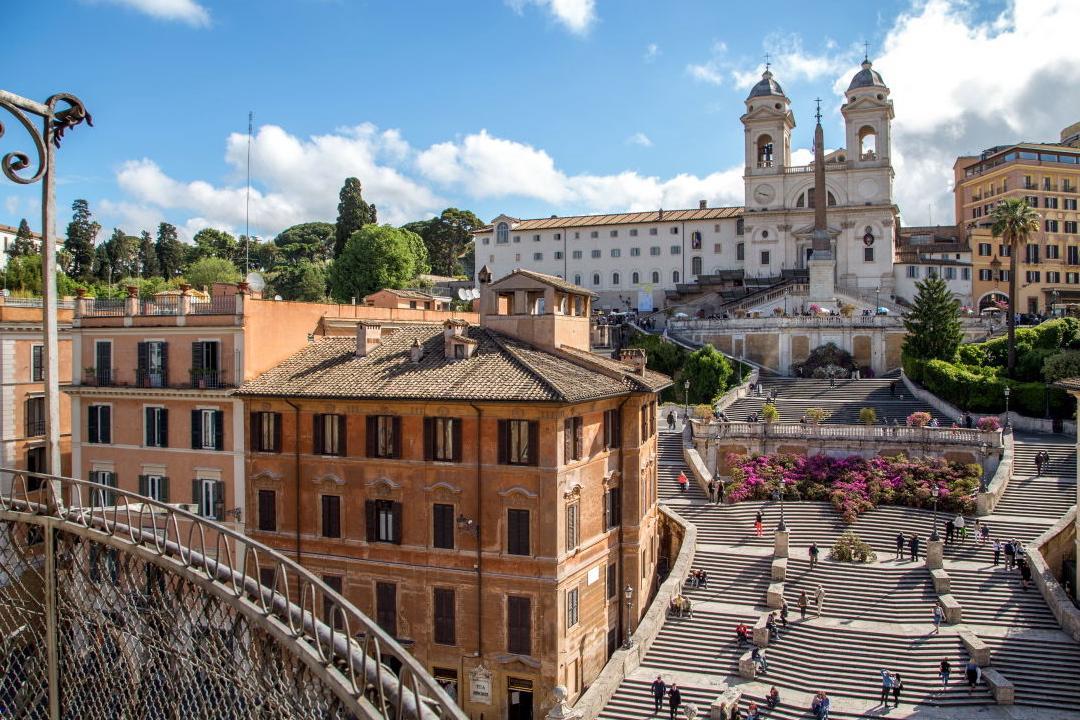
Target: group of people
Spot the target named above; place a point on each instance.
(716, 491)
(910, 542)
(891, 686)
(972, 673)
(1042, 459)
(1015, 559)
(804, 603)
(680, 607)
(662, 691)
(698, 579)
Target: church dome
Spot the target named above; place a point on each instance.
(766, 86)
(867, 77)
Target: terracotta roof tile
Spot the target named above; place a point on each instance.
(620, 219)
(501, 368)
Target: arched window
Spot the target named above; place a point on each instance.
(596, 278)
(635, 278)
(695, 240)
(615, 278)
(765, 151)
(675, 276)
(740, 251)
(577, 279)
(867, 143)
(807, 199)
(695, 265)
(502, 233)
(655, 277)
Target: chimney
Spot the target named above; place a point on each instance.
(635, 358)
(416, 352)
(368, 337)
(660, 214)
(452, 328)
(702, 205)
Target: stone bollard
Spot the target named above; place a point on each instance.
(935, 554)
(725, 705)
(761, 632)
(774, 597)
(779, 569)
(942, 583)
(780, 544)
(953, 610)
(1000, 687)
(977, 649)
(561, 710)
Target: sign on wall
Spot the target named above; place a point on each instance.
(644, 299)
(480, 685)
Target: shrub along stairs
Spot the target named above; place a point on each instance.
(876, 615)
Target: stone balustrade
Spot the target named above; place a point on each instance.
(864, 433)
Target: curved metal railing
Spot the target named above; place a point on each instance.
(348, 653)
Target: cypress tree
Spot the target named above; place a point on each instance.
(170, 251)
(148, 259)
(81, 233)
(353, 213)
(24, 242)
(933, 324)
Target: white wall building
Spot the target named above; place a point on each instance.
(7, 238)
(621, 255)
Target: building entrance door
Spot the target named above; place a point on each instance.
(519, 699)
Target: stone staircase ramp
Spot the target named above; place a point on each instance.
(873, 593)
(994, 597)
(737, 579)
(682, 644)
(670, 452)
(1046, 673)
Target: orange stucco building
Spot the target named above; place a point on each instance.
(486, 492)
(153, 383)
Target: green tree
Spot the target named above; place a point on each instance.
(933, 324)
(24, 241)
(376, 257)
(103, 267)
(708, 372)
(312, 241)
(211, 242)
(1014, 221)
(148, 260)
(170, 251)
(302, 280)
(1061, 366)
(123, 252)
(82, 232)
(353, 214)
(205, 272)
(447, 238)
(22, 274)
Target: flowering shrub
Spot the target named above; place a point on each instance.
(849, 547)
(988, 423)
(919, 419)
(854, 484)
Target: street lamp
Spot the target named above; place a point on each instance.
(782, 527)
(1007, 392)
(686, 400)
(934, 492)
(628, 593)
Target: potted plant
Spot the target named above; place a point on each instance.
(817, 415)
(918, 419)
(769, 413)
(89, 374)
(868, 416)
(989, 423)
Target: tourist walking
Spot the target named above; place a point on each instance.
(939, 615)
(671, 420)
(719, 492)
(997, 552)
(783, 613)
(803, 602)
(1041, 458)
(913, 547)
(950, 531)
(684, 483)
(900, 545)
(974, 674)
(819, 600)
(892, 389)
(897, 688)
(759, 526)
(1025, 573)
(886, 687)
(984, 531)
(659, 689)
(1010, 554)
(712, 490)
(961, 528)
(674, 700)
(943, 672)
(813, 555)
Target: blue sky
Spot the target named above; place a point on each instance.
(528, 107)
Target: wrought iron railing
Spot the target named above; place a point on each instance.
(141, 609)
(216, 305)
(100, 377)
(104, 307)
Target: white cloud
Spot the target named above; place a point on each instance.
(984, 83)
(185, 11)
(711, 71)
(11, 204)
(298, 181)
(788, 60)
(652, 51)
(639, 138)
(577, 16)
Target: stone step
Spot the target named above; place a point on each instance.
(671, 463)
(1043, 671)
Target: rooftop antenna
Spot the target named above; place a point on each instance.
(247, 200)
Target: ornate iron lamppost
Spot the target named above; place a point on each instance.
(57, 114)
(628, 593)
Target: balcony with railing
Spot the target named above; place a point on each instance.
(35, 426)
(161, 309)
(209, 378)
(100, 377)
(218, 378)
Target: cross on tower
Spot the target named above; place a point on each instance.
(767, 63)
(818, 114)
(866, 52)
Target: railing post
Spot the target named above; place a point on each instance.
(52, 612)
(131, 302)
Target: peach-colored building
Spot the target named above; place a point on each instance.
(153, 385)
(22, 388)
(1048, 176)
(406, 300)
(485, 492)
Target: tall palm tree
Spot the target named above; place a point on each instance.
(1014, 221)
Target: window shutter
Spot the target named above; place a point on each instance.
(106, 424)
(371, 430)
(504, 451)
(568, 439)
(429, 438)
(144, 490)
(196, 429)
(163, 426)
(579, 437)
(267, 510)
(371, 519)
(534, 443)
(277, 432)
(255, 431)
(219, 500)
(396, 510)
(317, 434)
(165, 364)
(397, 437)
(196, 494)
(92, 424)
(143, 362)
(343, 435)
(456, 433)
(163, 483)
(219, 429)
(196, 358)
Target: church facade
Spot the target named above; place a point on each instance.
(663, 257)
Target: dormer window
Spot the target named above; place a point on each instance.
(502, 233)
(459, 351)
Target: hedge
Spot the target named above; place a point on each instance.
(982, 390)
